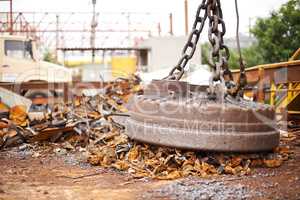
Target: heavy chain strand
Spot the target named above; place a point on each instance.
(219, 55)
(190, 47)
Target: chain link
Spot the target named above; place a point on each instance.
(219, 55)
(242, 80)
(191, 45)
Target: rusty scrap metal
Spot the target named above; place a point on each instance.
(108, 145)
(79, 117)
(142, 160)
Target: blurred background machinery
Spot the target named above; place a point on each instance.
(277, 84)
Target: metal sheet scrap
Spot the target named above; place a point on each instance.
(88, 122)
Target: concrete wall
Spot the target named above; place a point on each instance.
(245, 41)
(166, 51)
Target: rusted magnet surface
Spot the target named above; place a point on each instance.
(177, 114)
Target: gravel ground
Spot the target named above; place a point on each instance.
(37, 173)
(191, 189)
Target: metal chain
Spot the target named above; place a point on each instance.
(190, 47)
(242, 81)
(219, 55)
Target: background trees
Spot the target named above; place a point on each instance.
(278, 37)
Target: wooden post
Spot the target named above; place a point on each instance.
(57, 38)
(66, 92)
(261, 95)
(272, 94)
(290, 92)
(11, 23)
(171, 23)
(186, 17)
(159, 29)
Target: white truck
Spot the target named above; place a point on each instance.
(19, 62)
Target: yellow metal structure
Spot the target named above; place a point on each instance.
(289, 95)
(78, 62)
(296, 55)
(123, 66)
(284, 94)
(291, 91)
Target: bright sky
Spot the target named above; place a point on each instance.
(248, 9)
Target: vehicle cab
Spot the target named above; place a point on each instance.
(19, 62)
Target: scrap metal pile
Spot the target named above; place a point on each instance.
(88, 123)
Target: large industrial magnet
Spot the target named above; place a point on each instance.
(181, 115)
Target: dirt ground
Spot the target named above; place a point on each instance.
(28, 174)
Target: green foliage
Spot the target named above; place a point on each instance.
(49, 57)
(205, 50)
(279, 35)
(250, 56)
(233, 61)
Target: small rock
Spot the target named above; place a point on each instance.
(25, 147)
(67, 146)
(60, 152)
(283, 133)
(36, 155)
(81, 149)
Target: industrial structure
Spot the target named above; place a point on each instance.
(278, 85)
(69, 30)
